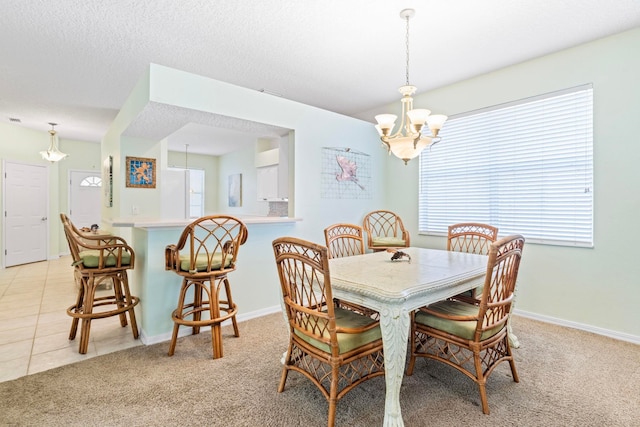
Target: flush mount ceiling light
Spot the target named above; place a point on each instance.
(409, 140)
(53, 154)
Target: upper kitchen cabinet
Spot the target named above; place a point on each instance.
(273, 172)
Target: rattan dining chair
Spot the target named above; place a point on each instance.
(344, 240)
(385, 230)
(474, 238)
(205, 254)
(473, 338)
(336, 349)
(97, 259)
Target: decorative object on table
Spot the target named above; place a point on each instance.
(53, 153)
(346, 174)
(399, 255)
(94, 228)
(107, 182)
(235, 190)
(141, 172)
(409, 140)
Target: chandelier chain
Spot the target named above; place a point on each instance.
(407, 46)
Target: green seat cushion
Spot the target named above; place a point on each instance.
(91, 258)
(388, 241)
(347, 342)
(202, 261)
(465, 329)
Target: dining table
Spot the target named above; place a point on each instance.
(395, 288)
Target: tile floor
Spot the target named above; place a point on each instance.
(34, 325)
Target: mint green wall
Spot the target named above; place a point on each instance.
(240, 162)
(255, 283)
(598, 287)
(24, 145)
(314, 128)
(120, 147)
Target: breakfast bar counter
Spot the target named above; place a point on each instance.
(165, 223)
(255, 282)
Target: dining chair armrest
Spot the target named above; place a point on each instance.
(457, 318)
(358, 330)
(406, 237)
(466, 298)
(98, 242)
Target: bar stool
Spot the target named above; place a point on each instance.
(97, 259)
(206, 252)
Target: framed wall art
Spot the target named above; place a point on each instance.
(235, 190)
(346, 174)
(141, 172)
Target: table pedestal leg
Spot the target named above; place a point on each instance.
(394, 323)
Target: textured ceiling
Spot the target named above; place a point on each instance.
(75, 62)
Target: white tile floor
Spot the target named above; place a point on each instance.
(34, 325)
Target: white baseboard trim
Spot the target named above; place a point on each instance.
(581, 326)
(185, 331)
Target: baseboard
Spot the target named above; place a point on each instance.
(184, 331)
(581, 326)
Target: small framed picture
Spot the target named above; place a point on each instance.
(141, 172)
(235, 190)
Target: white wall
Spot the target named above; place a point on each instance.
(598, 288)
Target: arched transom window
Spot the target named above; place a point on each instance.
(91, 181)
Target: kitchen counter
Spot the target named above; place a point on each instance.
(141, 222)
(256, 288)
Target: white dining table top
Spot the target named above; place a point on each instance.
(375, 275)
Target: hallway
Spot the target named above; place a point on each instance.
(34, 325)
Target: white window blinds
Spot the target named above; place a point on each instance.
(525, 167)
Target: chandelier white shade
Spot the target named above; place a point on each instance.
(53, 154)
(409, 140)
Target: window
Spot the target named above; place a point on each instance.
(91, 181)
(525, 167)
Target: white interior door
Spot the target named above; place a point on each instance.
(26, 199)
(85, 198)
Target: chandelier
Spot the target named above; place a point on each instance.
(409, 140)
(53, 154)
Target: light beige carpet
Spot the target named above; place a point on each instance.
(568, 378)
